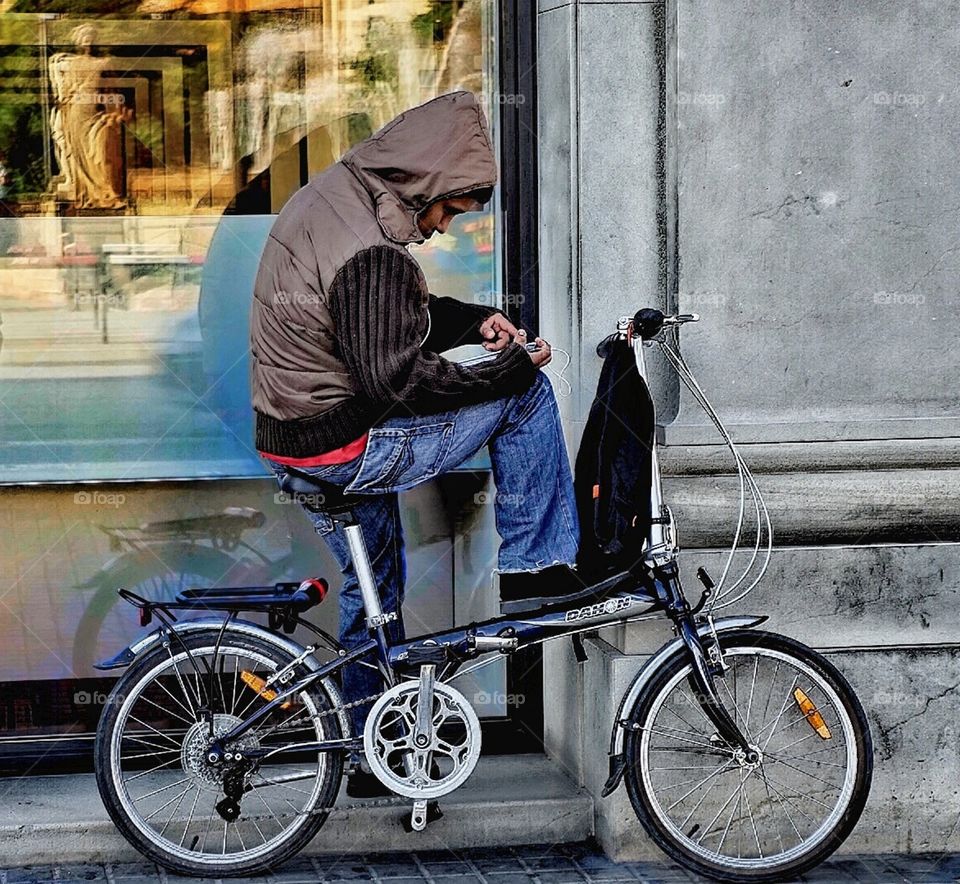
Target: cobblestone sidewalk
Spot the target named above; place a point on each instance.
(554, 864)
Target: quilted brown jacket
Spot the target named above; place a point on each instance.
(343, 329)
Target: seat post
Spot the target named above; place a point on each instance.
(364, 572)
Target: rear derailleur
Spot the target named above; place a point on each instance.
(234, 787)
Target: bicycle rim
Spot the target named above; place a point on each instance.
(167, 791)
(732, 815)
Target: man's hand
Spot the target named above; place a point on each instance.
(497, 331)
(542, 355)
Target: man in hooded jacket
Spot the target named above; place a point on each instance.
(348, 384)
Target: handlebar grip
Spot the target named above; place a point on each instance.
(648, 323)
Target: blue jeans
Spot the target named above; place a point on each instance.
(534, 507)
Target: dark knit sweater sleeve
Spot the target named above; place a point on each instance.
(377, 302)
(454, 323)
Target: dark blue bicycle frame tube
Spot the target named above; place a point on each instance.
(459, 645)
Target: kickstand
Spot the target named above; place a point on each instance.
(423, 812)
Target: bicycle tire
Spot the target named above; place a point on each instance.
(649, 807)
(109, 778)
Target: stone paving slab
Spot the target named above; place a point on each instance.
(580, 863)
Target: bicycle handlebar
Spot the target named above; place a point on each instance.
(649, 322)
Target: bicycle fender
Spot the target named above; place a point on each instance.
(245, 627)
(648, 670)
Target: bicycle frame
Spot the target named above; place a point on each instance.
(654, 591)
(662, 595)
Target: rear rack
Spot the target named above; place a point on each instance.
(282, 602)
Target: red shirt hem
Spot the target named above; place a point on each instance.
(339, 455)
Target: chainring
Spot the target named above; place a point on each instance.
(422, 772)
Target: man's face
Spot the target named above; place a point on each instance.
(437, 216)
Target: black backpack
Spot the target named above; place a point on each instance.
(613, 470)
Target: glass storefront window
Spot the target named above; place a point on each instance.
(145, 146)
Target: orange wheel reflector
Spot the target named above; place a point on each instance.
(260, 686)
(813, 716)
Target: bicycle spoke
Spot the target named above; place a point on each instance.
(236, 679)
(806, 773)
(780, 798)
(673, 733)
(738, 716)
(167, 711)
(152, 770)
(157, 746)
(753, 685)
(753, 823)
(177, 798)
(799, 794)
(733, 810)
(720, 769)
(193, 809)
(163, 687)
(703, 798)
(723, 807)
(783, 709)
(150, 754)
(677, 715)
(162, 789)
(154, 730)
(183, 687)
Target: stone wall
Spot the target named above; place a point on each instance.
(787, 171)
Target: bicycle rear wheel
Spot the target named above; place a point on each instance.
(733, 818)
(156, 780)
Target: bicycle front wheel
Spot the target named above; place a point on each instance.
(770, 815)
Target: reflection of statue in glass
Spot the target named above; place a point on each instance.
(83, 132)
(461, 66)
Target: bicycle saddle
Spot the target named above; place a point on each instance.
(318, 495)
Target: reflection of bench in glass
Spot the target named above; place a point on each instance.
(142, 255)
(112, 290)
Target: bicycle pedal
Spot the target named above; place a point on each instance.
(424, 812)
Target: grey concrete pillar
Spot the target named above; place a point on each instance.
(787, 171)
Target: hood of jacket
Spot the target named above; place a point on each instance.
(437, 150)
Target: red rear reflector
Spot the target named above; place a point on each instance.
(316, 588)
